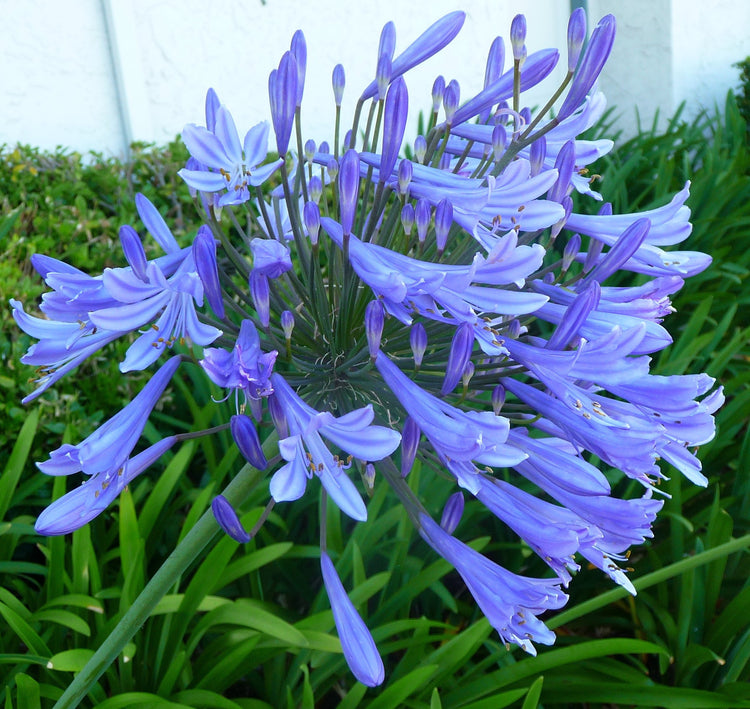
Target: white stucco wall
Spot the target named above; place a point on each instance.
(57, 77)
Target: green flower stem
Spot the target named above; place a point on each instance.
(159, 585)
(679, 567)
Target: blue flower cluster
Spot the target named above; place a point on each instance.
(450, 306)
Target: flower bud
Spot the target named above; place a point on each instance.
(383, 75)
(338, 79)
(369, 477)
(212, 105)
(420, 148)
(564, 165)
(394, 124)
(332, 167)
(324, 148)
(405, 173)
(626, 245)
(513, 329)
(135, 254)
(576, 37)
(228, 520)
(311, 217)
(499, 140)
(278, 416)
(387, 43)
(348, 189)
(374, 320)
(418, 342)
(287, 324)
(571, 251)
(537, 153)
(309, 150)
(438, 89)
(575, 315)
(443, 223)
(596, 246)
(557, 227)
(469, 373)
(204, 255)
(270, 257)
(261, 297)
(591, 65)
(299, 49)
(407, 218)
(246, 438)
(410, 436)
(445, 162)
(282, 92)
(452, 512)
(422, 216)
(458, 357)
(315, 187)
(495, 61)
(498, 399)
(348, 139)
(518, 36)
(451, 97)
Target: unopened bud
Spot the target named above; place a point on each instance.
(246, 438)
(287, 324)
(407, 218)
(383, 75)
(420, 148)
(311, 217)
(418, 342)
(332, 168)
(499, 140)
(228, 519)
(348, 189)
(338, 80)
(369, 477)
(422, 215)
(261, 297)
(278, 416)
(452, 512)
(309, 150)
(374, 320)
(458, 356)
(576, 37)
(518, 36)
(405, 173)
(571, 251)
(438, 89)
(135, 254)
(410, 436)
(468, 374)
(451, 98)
(498, 399)
(315, 187)
(443, 223)
(537, 153)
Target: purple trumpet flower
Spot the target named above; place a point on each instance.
(81, 505)
(307, 455)
(594, 58)
(394, 123)
(511, 603)
(204, 254)
(282, 93)
(245, 367)
(166, 304)
(233, 166)
(430, 42)
(270, 257)
(458, 436)
(108, 447)
(356, 641)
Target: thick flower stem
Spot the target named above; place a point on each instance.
(164, 579)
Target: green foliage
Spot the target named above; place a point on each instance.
(248, 626)
(743, 95)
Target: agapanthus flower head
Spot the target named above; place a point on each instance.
(388, 308)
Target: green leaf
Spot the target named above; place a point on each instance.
(26, 634)
(18, 457)
(27, 692)
(535, 691)
(65, 618)
(70, 660)
(396, 694)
